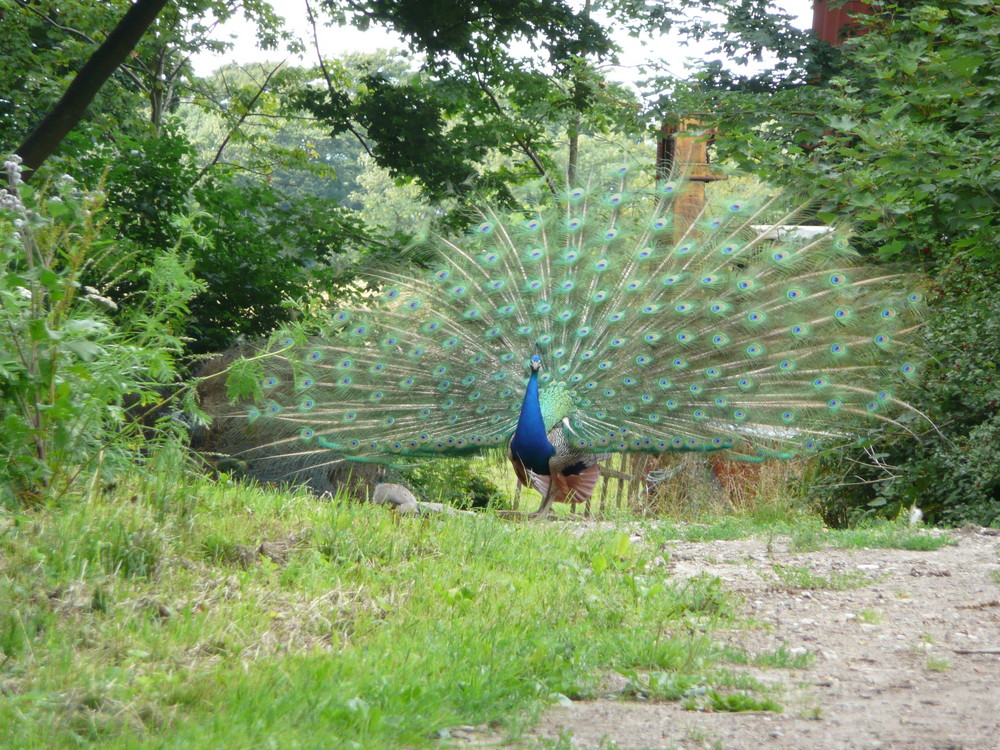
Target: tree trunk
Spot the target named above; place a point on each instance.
(70, 109)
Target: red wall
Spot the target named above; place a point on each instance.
(829, 23)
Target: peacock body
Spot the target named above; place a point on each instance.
(590, 324)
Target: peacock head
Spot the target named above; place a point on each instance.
(535, 363)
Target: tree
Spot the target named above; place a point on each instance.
(70, 109)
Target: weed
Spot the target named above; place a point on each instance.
(799, 577)
(870, 616)
(938, 664)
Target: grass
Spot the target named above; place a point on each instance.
(163, 615)
(877, 534)
(801, 578)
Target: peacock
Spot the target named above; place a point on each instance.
(594, 321)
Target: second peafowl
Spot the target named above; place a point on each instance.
(594, 323)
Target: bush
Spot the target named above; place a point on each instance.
(68, 374)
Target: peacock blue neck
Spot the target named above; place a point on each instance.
(530, 443)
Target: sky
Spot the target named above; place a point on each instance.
(337, 40)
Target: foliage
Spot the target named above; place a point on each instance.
(457, 482)
(68, 376)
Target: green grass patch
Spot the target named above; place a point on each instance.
(873, 535)
(201, 615)
(800, 578)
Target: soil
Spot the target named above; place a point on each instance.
(911, 661)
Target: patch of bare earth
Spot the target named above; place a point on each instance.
(910, 661)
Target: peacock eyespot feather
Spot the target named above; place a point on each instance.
(664, 383)
(273, 409)
(745, 384)
(821, 383)
(628, 409)
(745, 285)
(834, 403)
(544, 339)
(576, 193)
(908, 369)
(618, 342)
(389, 341)
(739, 415)
(736, 206)
(590, 385)
(729, 249)
(500, 375)
(602, 264)
(443, 274)
(780, 255)
(842, 313)
(755, 350)
(534, 253)
(610, 234)
(660, 223)
(532, 224)
(684, 307)
(679, 363)
(670, 404)
(567, 286)
(458, 291)
(838, 349)
(888, 313)
(314, 356)
(533, 285)
(484, 228)
(306, 433)
(524, 330)
(788, 416)
(668, 187)
(671, 280)
(838, 279)
(450, 343)
(800, 330)
(306, 383)
(406, 382)
(756, 317)
(696, 388)
(652, 337)
(583, 332)
(713, 372)
(605, 365)
(573, 224)
(270, 382)
(642, 359)
(416, 352)
(720, 339)
(721, 401)
(787, 364)
(685, 337)
(795, 294)
(599, 296)
(684, 249)
(346, 380)
(412, 304)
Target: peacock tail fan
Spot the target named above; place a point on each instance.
(735, 333)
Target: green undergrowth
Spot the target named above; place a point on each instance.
(165, 614)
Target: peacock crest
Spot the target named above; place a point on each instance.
(639, 335)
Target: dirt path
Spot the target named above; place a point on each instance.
(911, 661)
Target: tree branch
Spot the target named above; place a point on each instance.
(72, 107)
